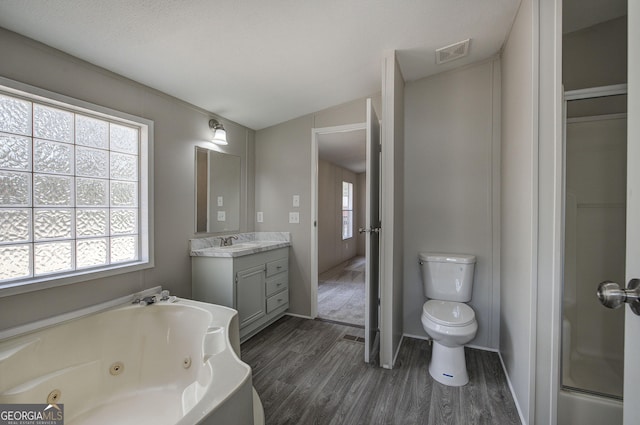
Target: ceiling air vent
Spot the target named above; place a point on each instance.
(452, 51)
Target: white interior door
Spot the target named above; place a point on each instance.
(631, 413)
(372, 230)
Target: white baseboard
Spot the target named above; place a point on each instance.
(395, 356)
(513, 394)
(476, 347)
(423, 337)
(299, 315)
(479, 347)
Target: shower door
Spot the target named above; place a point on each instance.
(631, 332)
(631, 374)
(595, 238)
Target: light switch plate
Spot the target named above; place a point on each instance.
(296, 200)
(294, 217)
(220, 201)
(222, 216)
(259, 217)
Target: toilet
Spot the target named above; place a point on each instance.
(447, 280)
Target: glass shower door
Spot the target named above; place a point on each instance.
(594, 245)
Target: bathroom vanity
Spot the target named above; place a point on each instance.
(251, 276)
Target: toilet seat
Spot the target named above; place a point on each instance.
(448, 313)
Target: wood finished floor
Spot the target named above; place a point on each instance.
(306, 372)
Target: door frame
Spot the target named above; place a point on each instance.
(632, 322)
(315, 133)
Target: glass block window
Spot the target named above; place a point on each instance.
(73, 189)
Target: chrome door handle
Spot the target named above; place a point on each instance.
(611, 295)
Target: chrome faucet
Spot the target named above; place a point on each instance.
(152, 299)
(228, 241)
(146, 300)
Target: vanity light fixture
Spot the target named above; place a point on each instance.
(219, 133)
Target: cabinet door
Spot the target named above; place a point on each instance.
(250, 295)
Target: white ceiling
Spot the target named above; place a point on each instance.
(346, 149)
(261, 62)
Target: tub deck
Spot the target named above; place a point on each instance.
(165, 363)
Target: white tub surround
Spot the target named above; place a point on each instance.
(575, 408)
(245, 244)
(163, 363)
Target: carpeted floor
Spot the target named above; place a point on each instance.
(341, 293)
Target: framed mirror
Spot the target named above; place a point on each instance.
(217, 191)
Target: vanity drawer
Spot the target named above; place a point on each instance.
(278, 300)
(277, 266)
(276, 284)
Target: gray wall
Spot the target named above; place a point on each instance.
(518, 217)
(283, 169)
(332, 250)
(451, 147)
(179, 127)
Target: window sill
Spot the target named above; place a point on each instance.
(47, 282)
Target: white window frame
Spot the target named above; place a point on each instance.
(145, 190)
(343, 209)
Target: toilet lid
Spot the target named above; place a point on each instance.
(448, 313)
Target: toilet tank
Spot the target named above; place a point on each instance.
(447, 277)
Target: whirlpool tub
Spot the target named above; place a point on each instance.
(171, 362)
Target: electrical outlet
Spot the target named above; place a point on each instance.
(259, 217)
(222, 216)
(294, 217)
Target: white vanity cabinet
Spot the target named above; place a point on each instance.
(256, 284)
